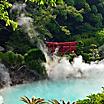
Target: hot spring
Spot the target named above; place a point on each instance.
(68, 81)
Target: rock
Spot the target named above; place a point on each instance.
(2, 84)
(24, 75)
(4, 76)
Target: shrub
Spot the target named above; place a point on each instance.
(71, 56)
(80, 47)
(60, 2)
(1, 55)
(80, 1)
(12, 60)
(100, 8)
(9, 58)
(87, 7)
(88, 48)
(91, 2)
(34, 59)
(34, 54)
(94, 9)
(69, 2)
(93, 99)
(19, 59)
(96, 19)
(100, 37)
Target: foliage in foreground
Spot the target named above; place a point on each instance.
(41, 101)
(91, 99)
(4, 6)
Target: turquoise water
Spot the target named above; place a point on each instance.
(70, 89)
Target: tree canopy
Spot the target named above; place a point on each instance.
(4, 6)
(55, 20)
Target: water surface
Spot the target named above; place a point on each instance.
(69, 89)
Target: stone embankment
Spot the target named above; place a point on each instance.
(21, 76)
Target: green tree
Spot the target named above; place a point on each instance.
(94, 9)
(34, 59)
(48, 2)
(100, 37)
(4, 15)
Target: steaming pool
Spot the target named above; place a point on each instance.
(60, 87)
(72, 89)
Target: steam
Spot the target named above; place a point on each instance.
(18, 7)
(4, 76)
(61, 68)
(4, 79)
(1, 100)
(26, 23)
(1, 48)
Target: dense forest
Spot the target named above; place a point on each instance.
(24, 23)
(54, 20)
(60, 21)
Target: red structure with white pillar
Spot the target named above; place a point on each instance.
(64, 47)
